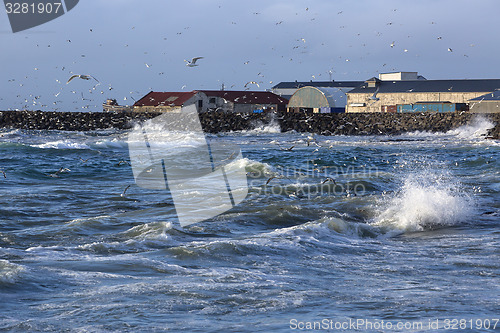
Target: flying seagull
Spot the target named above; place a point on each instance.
(125, 191)
(374, 96)
(251, 82)
(123, 162)
(288, 149)
(192, 63)
(81, 76)
(328, 179)
(56, 174)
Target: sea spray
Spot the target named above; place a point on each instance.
(477, 128)
(425, 201)
(9, 272)
(266, 124)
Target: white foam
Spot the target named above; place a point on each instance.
(62, 144)
(257, 169)
(273, 127)
(141, 236)
(9, 272)
(114, 143)
(424, 202)
(476, 129)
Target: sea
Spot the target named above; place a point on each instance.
(337, 233)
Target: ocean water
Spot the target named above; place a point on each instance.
(338, 229)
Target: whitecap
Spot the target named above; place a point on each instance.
(9, 272)
(477, 128)
(424, 202)
(61, 144)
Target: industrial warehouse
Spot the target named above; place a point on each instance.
(396, 92)
(393, 92)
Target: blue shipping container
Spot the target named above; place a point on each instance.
(427, 107)
(331, 110)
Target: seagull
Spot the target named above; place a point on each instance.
(267, 182)
(311, 139)
(252, 82)
(123, 193)
(56, 174)
(450, 50)
(81, 76)
(374, 96)
(393, 43)
(192, 63)
(3, 172)
(288, 149)
(329, 179)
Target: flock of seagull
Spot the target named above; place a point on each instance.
(301, 44)
(317, 171)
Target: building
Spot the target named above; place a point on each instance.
(212, 100)
(318, 100)
(243, 101)
(111, 105)
(400, 76)
(488, 103)
(407, 88)
(287, 89)
(170, 101)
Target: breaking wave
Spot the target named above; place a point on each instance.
(9, 272)
(62, 144)
(424, 202)
(476, 129)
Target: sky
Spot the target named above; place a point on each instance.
(132, 47)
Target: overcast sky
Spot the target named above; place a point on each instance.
(133, 46)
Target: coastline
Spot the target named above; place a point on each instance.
(215, 122)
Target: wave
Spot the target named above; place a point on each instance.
(61, 144)
(253, 168)
(478, 128)
(140, 237)
(9, 272)
(115, 143)
(260, 127)
(425, 201)
(270, 128)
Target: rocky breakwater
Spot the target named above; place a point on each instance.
(71, 121)
(382, 123)
(215, 122)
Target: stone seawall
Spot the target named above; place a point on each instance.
(328, 124)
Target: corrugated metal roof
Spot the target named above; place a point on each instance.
(493, 96)
(246, 97)
(427, 86)
(318, 84)
(315, 97)
(165, 98)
